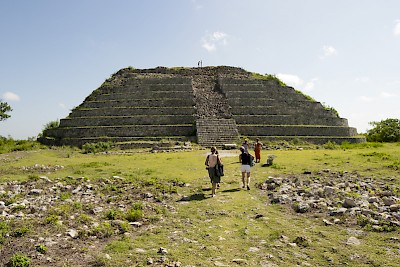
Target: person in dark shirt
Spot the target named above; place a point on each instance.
(245, 159)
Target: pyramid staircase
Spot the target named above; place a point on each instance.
(214, 123)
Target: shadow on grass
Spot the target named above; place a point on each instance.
(231, 190)
(194, 197)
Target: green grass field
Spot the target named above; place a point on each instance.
(236, 228)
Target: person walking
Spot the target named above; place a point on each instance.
(211, 162)
(245, 145)
(245, 159)
(257, 150)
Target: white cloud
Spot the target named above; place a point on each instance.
(366, 99)
(209, 46)
(9, 96)
(196, 5)
(290, 79)
(296, 82)
(396, 30)
(388, 95)
(363, 79)
(211, 41)
(328, 51)
(309, 86)
(62, 105)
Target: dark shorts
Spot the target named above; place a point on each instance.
(213, 176)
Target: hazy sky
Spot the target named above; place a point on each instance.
(53, 53)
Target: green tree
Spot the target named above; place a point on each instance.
(384, 131)
(4, 108)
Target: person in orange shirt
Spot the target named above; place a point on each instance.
(257, 150)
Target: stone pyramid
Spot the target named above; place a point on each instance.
(208, 105)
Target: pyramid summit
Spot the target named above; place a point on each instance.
(212, 106)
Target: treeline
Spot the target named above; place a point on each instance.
(384, 131)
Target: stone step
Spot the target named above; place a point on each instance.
(123, 142)
(123, 131)
(296, 130)
(287, 119)
(312, 110)
(145, 95)
(131, 111)
(137, 88)
(310, 139)
(216, 132)
(173, 102)
(127, 120)
(278, 95)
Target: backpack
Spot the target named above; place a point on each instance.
(252, 162)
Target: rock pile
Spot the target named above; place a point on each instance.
(342, 197)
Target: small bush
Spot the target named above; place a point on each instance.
(111, 214)
(84, 218)
(19, 260)
(41, 248)
(103, 230)
(331, 145)
(134, 215)
(18, 232)
(4, 230)
(96, 147)
(52, 219)
(65, 196)
(10, 145)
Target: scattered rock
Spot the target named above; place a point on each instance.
(162, 251)
(301, 207)
(353, 241)
(239, 261)
(301, 241)
(254, 249)
(35, 191)
(349, 203)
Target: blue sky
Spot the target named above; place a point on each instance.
(53, 53)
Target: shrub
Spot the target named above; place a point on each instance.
(18, 232)
(52, 219)
(41, 248)
(330, 145)
(111, 214)
(10, 145)
(134, 215)
(4, 229)
(19, 260)
(96, 147)
(103, 230)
